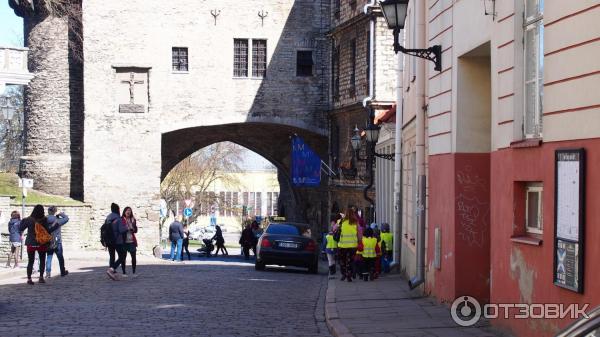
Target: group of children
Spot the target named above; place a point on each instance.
(373, 251)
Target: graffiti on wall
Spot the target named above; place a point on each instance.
(472, 207)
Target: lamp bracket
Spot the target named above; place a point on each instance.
(433, 53)
(391, 156)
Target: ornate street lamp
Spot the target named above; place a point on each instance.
(394, 12)
(355, 140)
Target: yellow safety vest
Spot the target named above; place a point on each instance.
(369, 245)
(331, 244)
(348, 238)
(388, 238)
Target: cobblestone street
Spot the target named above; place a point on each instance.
(219, 297)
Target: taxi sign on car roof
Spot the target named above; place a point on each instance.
(278, 218)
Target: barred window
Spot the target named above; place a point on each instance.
(180, 59)
(304, 63)
(240, 58)
(259, 58)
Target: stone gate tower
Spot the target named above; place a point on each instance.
(146, 83)
(53, 149)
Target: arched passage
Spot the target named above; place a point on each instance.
(270, 140)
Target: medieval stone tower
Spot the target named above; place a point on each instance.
(124, 90)
(54, 98)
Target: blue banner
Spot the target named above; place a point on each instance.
(306, 164)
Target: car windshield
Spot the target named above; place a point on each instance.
(286, 229)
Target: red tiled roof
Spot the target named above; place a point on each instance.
(388, 116)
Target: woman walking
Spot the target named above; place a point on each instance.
(186, 242)
(348, 243)
(14, 238)
(220, 241)
(38, 238)
(130, 239)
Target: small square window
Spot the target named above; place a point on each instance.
(304, 63)
(534, 208)
(180, 59)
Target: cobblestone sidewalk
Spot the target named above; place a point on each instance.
(387, 308)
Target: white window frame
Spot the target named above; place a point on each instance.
(532, 22)
(535, 188)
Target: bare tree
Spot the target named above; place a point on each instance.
(11, 128)
(195, 174)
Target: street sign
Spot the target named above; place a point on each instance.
(187, 212)
(25, 182)
(188, 202)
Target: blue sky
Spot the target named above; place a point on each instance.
(11, 27)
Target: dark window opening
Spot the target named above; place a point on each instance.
(304, 63)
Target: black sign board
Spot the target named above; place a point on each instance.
(569, 201)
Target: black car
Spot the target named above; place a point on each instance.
(287, 244)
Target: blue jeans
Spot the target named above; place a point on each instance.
(178, 244)
(59, 255)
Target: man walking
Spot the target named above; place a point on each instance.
(113, 232)
(176, 238)
(56, 244)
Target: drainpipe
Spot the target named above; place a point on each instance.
(397, 229)
(369, 6)
(367, 101)
(420, 147)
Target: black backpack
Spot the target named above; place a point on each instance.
(107, 237)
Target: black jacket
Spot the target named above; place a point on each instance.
(175, 231)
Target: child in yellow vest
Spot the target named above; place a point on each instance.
(387, 246)
(331, 250)
(369, 251)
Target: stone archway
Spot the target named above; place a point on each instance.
(272, 141)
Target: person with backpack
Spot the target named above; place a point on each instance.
(38, 239)
(56, 243)
(112, 236)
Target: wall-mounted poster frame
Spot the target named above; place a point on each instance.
(569, 218)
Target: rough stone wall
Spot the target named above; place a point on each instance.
(353, 26)
(76, 234)
(53, 108)
(123, 150)
(385, 63)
